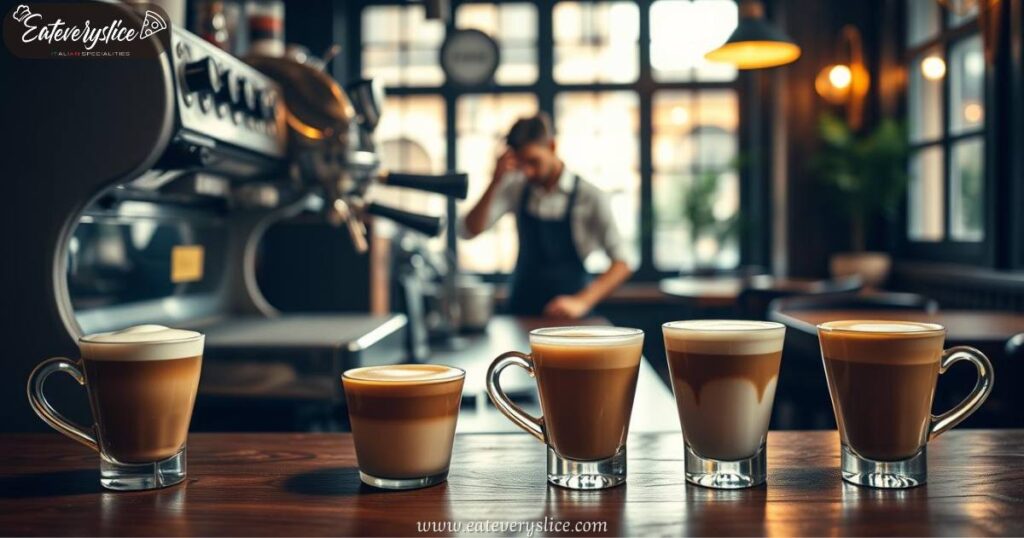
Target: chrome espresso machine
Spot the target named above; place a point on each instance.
(137, 191)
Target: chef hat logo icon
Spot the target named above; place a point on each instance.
(21, 12)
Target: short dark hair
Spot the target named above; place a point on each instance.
(532, 130)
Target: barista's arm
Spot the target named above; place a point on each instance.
(608, 236)
(578, 305)
(485, 213)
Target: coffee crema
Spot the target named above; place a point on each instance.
(882, 377)
(142, 383)
(403, 417)
(586, 378)
(724, 374)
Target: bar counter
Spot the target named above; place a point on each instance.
(307, 485)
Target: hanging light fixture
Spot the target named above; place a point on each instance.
(846, 82)
(756, 43)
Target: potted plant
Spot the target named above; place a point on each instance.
(709, 232)
(866, 173)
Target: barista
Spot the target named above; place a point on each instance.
(561, 219)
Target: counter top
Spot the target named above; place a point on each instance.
(306, 484)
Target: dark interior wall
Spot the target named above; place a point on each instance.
(813, 230)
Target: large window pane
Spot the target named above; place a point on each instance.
(967, 207)
(682, 31)
(696, 189)
(925, 96)
(966, 85)
(926, 196)
(482, 121)
(922, 21)
(411, 138)
(400, 46)
(514, 27)
(596, 42)
(598, 137)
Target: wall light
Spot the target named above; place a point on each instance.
(846, 82)
(933, 68)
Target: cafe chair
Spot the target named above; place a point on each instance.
(754, 300)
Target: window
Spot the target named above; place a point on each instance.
(514, 27)
(596, 42)
(482, 122)
(682, 31)
(696, 186)
(598, 138)
(400, 47)
(946, 121)
(597, 92)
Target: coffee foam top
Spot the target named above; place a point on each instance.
(724, 336)
(142, 343)
(408, 374)
(586, 336)
(908, 328)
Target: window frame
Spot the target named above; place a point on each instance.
(947, 249)
(750, 94)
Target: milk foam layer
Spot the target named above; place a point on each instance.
(724, 336)
(586, 336)
(405, 373)
(880, 326)
(142, 343)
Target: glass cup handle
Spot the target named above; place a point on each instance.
(42, 407)
(533, 425)
(970, 404)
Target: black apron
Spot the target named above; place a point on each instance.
(548, 264)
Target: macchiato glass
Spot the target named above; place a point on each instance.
(724, 374)
(882, 376)
(586, 377)
(142, 384)
(403, 422)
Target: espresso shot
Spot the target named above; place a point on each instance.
(724, 375)
(403, 420)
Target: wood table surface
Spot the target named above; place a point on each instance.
(306, 484)
(971, 327)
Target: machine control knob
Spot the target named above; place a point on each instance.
(268, 104)
(202, 76)
(249, 100)
(230, 89)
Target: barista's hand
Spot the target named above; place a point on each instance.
(506, 163)
(567, 307)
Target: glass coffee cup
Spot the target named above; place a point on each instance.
(403, 421)
(142, 384)
(586, 378)
(882, 377)
(724, 374)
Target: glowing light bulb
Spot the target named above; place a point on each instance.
(840, 76)
(973, 113)
(933, 68)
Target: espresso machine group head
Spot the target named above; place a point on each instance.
(138, 191)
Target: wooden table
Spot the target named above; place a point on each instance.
(306, 484)
(980, 328)
(722, 291)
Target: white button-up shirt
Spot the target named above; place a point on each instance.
(593, 226)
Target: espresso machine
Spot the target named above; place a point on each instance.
(138, 191)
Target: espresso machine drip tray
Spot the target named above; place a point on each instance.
(297, 357)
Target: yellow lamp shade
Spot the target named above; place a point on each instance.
(755, 54)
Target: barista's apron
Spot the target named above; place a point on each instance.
(548, 264)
